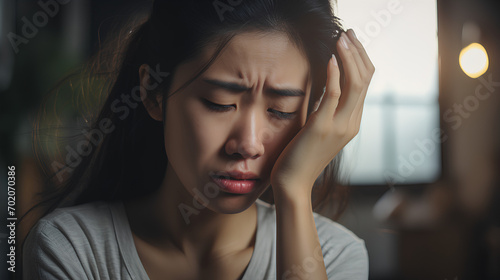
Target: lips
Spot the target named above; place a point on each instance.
(235, 182)
(236, 175)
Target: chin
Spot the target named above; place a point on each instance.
(226, 203)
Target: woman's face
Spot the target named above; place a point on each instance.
(236, 117)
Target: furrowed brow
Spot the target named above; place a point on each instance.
(288, 92)
(234, 87)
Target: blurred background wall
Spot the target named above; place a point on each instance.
(444, 225)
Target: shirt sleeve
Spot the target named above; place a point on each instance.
(351, 263)
(48, 254)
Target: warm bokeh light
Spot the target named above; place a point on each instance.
(474, 60)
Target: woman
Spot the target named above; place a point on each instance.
(214, 103)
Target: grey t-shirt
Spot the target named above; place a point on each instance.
(94, 241)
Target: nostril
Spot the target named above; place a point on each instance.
(250, 149)
(245, 141)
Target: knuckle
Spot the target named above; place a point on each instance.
(356, 86)
(368, 80)
(341, 130)
(353, 131)
(313, 118)
(348, 51)
(321, 131)
(358, 46)
(371, 68)
(354, 49)
(365, 77)
(333, 93)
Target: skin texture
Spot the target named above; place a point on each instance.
(216, 240)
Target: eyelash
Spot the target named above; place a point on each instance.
(224, 108)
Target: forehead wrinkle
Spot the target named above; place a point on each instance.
(257, 67)
(253, 66)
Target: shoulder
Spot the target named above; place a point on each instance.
(90, 220)
(68, 240)
(92, 212)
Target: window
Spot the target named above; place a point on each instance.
(399, 139)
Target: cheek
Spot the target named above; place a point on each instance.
(181, 143)
(276, 138)
(208, 134)
(194, 138)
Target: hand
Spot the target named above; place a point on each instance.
(330, 127)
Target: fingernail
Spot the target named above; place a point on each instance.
(354, 33)
(344, 42)
(348, 40)
(334, 60)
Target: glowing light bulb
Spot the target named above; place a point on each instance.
(474, 60)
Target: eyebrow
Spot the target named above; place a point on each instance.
(234, 87)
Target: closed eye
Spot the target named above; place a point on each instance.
(224, 108)
(217, 107)
(283, 115)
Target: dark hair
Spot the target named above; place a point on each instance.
(125, 146)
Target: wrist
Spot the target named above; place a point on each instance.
(291, 196)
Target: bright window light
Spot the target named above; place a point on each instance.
(399, 138)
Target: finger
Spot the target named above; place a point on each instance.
(346, 51)
(359, 108)
(363, 73)
(332, 92)
(358, 115)
(351, 103)
(361, 50)
(354, 84)
(368, 70)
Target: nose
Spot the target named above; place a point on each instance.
(245, 141)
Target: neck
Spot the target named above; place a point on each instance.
(170, 218)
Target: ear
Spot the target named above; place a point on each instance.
(152, 101)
